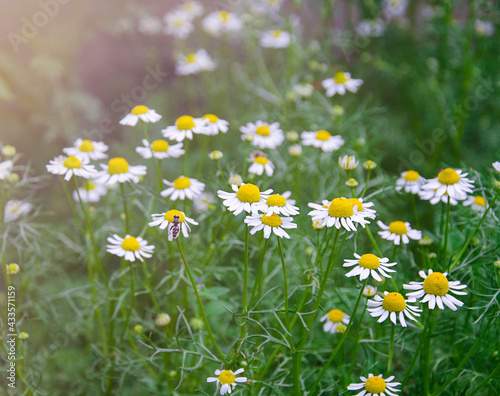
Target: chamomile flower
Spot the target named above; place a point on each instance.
(364, 208)
(130, 247)
(322, 139)
(184, 128)
(275, 39)
(140, 112)
(451, 182)
(369, 264)
(435, 290)
(166, 220)
(246, 198)
(72, 165)
(118, 170)
(235, 179)
(214, 124)
(160, 149)
(394, 8)
(371, 28)
(295, 150)
(90, 192)
(5, 169)
(204, 202)
(270, 224)
(85, 148)
(16, 209)
(340, 83)
(339, 212)
(220, 22)
(227, 379)
(182, 188)
(484, 28)
(333, 319)
(260, 163)
(348, 162)
(398, 231)
(279, 204)
(411, 181)
(264, 135)
(392, 306)
(496, 166)
(194, 63)
(427, 195)
(477, 203)
(149, 25)
(178, 24)
(375, 385)
(192, 8)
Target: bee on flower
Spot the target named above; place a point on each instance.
(72, 165)
(142, 113)
(340, 83)
(260, 163)
(178, 24)
(85, 148)
(90, 192)
(449, 182)
(275, 39)
(130, 248)
(227, 380)
(333, 319)
(160, 149)
(214, 125)
(375, 385)
(369, 264)
(170, 220)
(220, 22)
(264, 135)
(411, 181)
(182, 188)
(340, 212)
(393, 306)
(194, 63)
(398, 232)
(246, 197)
(184, 128)
(118, 170)
(322, 139)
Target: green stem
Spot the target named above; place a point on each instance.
(375, 246)
(245, 279)
(72, 206)
(132, 301)
(125, 209)
(445, 250)
(486, 380)
(417, 353)
(259, 272)
(391, 350)
(366, 185)
(356, 345)
(414, 207)
(285, 287)
(184, 162)
(224, 183)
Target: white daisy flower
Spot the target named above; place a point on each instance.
(411, 181)
(160, 149)
(303, 91)
(339, 213)
(90, 192)
(275, 39)
(235, 179)
(5, 169)
(118, 170)
(363, 207)
(434, 290)
(166, 220)
(369, 291)
(85, 148)
(340, 83)
(392, 306)
(184, 128)
(219, 22)
(194, 63)
(227, 379)
(182, 188)
(69, 166)
(322, 139)
(476, 202)
(398, 231)
(149, 25)
(140, 112)
(246, 198)
(204, 202)
(427, 195)
(264, 135)
(375, 386)
(333, 319)
(280, 205)
(178, 24)
(16, 209)
(215, 155)
(369, 264)
(348, 162)
(371, 28)
(214, 124)
(394, 8)
(192, 8)
(264, 6)
(130, 247)
(496, 166)
(295, 150)
(270, 224)
(484, 28)
(451, 182)
(260, 163)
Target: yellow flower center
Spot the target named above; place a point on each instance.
(211, 118)
(398, 228)
(335, 315)
(437, 284)
(88, 185)
(72, 163)
(191, 58)
(226, 377)
(117, 165)
(340, 207)
(323, 135)
(169, 216)
(273, 221)
(375, 385)
(130, 244)
(277, 33)
(479, 201)
(448, 176)
(248, 193)
(263, 130)
(276, 200)
(185, 122)
(356, 202)
(340, 78)
(86, 146)
(411, 176)
(224, 15)
(369, 261)
(394, 302)
(261, 160)
(140, 109)
(160, 146)
(181, 183)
